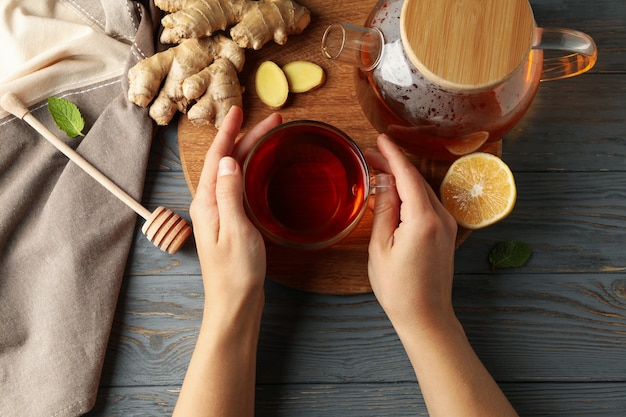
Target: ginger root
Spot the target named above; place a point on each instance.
(256, 22)
(217, 90)
(199, 76)
(188, 61)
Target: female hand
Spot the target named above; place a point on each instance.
(220, 379)
(230, 248)
(411, 266)
(411, 251)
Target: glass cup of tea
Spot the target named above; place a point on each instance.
(306, 185)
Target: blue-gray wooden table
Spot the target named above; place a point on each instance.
(552, 333)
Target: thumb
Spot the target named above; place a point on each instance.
(386, 216)
(229, 192)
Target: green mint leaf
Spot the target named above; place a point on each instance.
(67, 116)
(509, 254)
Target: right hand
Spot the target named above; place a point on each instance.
(411, 251)
(411, 266)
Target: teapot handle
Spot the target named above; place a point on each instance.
(582, 56)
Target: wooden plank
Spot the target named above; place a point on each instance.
(164, 154)
(402, 399)
(525, 327)
(603, 20)
(577, 124)
(573, 220)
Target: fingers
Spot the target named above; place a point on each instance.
(377, 160)
(229, 194)
(412, 187)
(203, 210)
(247, 142)
(412, 200)
(222, 146)
(386, 205)
(420, 183)
(204, 206)
(386, 217)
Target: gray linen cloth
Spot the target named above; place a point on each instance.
(64, 239)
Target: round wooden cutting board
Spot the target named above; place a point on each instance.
(341, 269)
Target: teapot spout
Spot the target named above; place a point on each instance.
(357, 46)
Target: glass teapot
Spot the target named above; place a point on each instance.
(449, 77)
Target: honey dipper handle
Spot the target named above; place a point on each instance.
(11, 103)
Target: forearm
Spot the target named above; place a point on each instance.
(453, 380)
(220, 380)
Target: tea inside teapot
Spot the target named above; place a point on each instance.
(449, 77)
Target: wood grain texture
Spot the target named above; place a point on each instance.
(340, 269)
(549, 339)
(575, 222)
(375, 400)
(334, 103)
(553, 332)
(467, 45)
(525, 327)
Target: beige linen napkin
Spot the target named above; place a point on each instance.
(64, 240)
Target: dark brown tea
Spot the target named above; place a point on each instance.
(431, 121)
(306, 184)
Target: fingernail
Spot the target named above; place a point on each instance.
(226, 166)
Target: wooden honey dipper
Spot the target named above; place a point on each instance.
(164, 228)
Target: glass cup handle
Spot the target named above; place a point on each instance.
(381, 182)
(582, 56)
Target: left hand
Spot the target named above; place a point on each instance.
(230, 248)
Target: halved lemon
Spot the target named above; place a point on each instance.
(478, 190)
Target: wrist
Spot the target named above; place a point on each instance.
(425, 324)
(236, 316)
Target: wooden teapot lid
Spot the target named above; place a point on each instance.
(467, 44)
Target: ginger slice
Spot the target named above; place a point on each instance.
(304, 76)
(271, 85)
